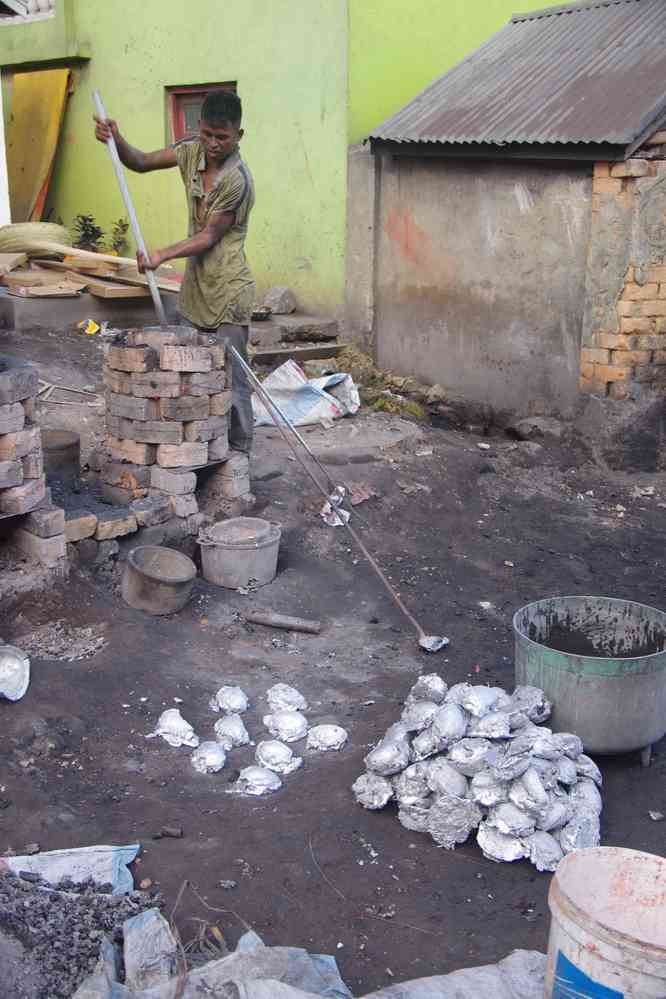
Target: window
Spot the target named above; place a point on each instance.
(184, 108)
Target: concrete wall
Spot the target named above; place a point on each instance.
(480, 278)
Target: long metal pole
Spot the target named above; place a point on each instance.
(129, 207)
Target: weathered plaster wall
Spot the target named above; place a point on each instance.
(480, 278)
(290, 63)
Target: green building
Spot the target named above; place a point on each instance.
(315, 76)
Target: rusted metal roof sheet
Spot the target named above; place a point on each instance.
(592, 72)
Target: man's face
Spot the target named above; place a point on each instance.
(219, 141)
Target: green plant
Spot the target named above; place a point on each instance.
(86, 233)
(119, 230)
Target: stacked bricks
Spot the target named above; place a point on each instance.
(617, 362)
(167, 405)
(39, 530)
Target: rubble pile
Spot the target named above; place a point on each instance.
(476, 758)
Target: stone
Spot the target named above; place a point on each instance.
(218, 449)
(183, 506)
(607, 185)
(117, 381)
(205, 430)
(309, 328)
(220, 403)
(46, 522)
(33, 464)
(138, 359)
(179, 455)
(185, 408)
(145, 431)
(132, 407)
(86, 550)
(79, 524)
(12, 418)
(158, 338)
(19, 380)
(106, 550)
(23, 498)
(17, 445)
(174, 481)
(280, 300)
(119, 495)
(46, 551)
(130, 451)
(156, 385)
(114, 524)
(11, 474)
(210, 383)
(154, 509)
(185, 359)
(537, 427)
(120, 473)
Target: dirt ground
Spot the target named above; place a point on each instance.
(455, 526)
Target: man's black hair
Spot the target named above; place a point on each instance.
(222, 107)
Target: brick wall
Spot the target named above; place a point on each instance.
(624, 343)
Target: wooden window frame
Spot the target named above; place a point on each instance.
(176, 100)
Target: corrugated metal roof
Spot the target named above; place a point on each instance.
(587, 73)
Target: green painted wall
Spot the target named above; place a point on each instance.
(397, 48)
(52, 39)
(289, 58)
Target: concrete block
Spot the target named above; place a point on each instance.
(185, 359)
(628, 308)
(238, 465)
(145, 431)
(11, 474)
(125, 475)
(23, 498)
(33, 464)
(79, 524)
(130, 451)
(648, 341)
(616, 341)
(185, 408)
(182, 455)
(139, 359)
(654, 308)
(46, 522)
(132, 407)
(115, 524)
(154, 509)
(602, 170)
(174, 481)
(117, 381)
(204, 384)
(19, 380)
(661, 325)
(655, 273)
(12, 418)
(46, 551)
(630, 168)
(607, 185)
(156, 385)
(17, 445)
(627, 358)
(232, 488)
(218, 354)
(611, 373)
(205, 430)
(158, 338)
(637, 292)
(119, 495)
(220, 403)
(183, 506)
(594, 355)
(218, 449)
(643, 325)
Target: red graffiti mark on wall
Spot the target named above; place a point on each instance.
(412, 241)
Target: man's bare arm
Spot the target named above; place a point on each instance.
(134, 159)
(219, 223)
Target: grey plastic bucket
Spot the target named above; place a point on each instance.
(239, 552)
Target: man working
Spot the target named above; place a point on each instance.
(217, 293)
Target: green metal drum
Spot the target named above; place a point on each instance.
(602, 664)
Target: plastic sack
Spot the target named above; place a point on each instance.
(586, 767)
(494, 725)
(452, 819)
(173, 728)
(305, 401)
(469, 755)
(230, 700)
(571, 745)
(511, 821)
(566, 770)
(487, 791)
(326, 738)
(531, 702)
(498, 846)
(443, 778)
(586, 795)
(276, 756)
(581, 831)
(391, 754)
(287, 726)
(208, 758)
(449, 724)
(479, 700)
(150, 951)
(230, 732)
(282, 697)
(102, 864)
(424, 744)
(544, 851)
(372, 791)
(528, 793)
(14, 672)
(411, 786)
(256, 781)
(556, 814)
(547, 747)
(457, 693)
(428, 687)
(418, 715)
(513, 760)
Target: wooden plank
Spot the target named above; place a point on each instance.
(10, 261)
(107, 289)
(62, 290)
(28, 279)
(124, 275)
(315, 352)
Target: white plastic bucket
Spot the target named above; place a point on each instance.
(608, 926)
(240, 551)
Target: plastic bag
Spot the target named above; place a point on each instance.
(494, 725)
(173, 728)
(556, 814)
(571, 745)
(208, 758)
(327, 738)
(417, 716)
(287, 726)
(411, 786)
(428, 687)
(511, 821)
(282, 697)
(586, 767)
(452, 819)
(544, 851)
(443, 778)
(498, 846)
(449, 724)
(469, 755)
(256, 781)
(586, 795)
(566, 771)
(547, 747)
(415, 816)
(372, 791)
(14, 672)
(530, 701)
(512, 761)
(391, 754)
(487, 791)
(231, 700)
(528, 793)
(150, 951)
(276, 756)
(479, 700)
(230, 732)
(580, 832)
(457, 693)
